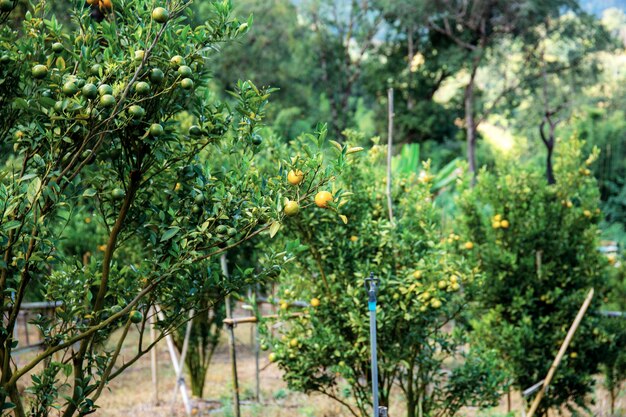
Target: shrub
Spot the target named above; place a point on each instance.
(537, 247)
(422, 291)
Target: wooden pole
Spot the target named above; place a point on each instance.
(153, 357)
(559, 356)
(242, 320)
(231, 344)
(389, 148)
(257, 350)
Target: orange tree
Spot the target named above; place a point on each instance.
(422, 291)
(614, 331)
(537, 247)
(121, 181)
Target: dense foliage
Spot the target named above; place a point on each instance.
(423, 289)
(122, 177)
(132, 158)
(536, 245)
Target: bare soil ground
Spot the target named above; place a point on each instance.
(133, 393)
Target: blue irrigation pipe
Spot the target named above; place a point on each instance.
(371, 284)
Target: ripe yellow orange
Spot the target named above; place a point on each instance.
(442, 284)
(292, 208)
(469, 245)
(323, 198)
(293, 342)
(497, 218)
(504, 224)
(417, 274)
(295, 177)
(496, 224)
(353, 238)
(315, 302)
(587, 213)
(272, 357)
(435, 303)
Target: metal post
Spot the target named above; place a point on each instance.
(371, 304)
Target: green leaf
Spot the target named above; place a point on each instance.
(170, 233)
(33, 189)
(13, 224)
(89, 192)
(8, 405)
(274, 228)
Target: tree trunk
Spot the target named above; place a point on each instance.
(470, 127)
(410, 103)
(549, 170)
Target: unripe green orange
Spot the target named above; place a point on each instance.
(142, 88)
(90, 91)
(160, 15)
(57, 47)
(184, 71)
(156, 130)
(136, 112)
(39, 71)
(156, 76)
(292, 208)
(105, 89)
(186, 83)
(70, 88)
(107, 100)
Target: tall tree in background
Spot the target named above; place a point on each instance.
(475, 27)
(567, 62)
(344, 34)
(416, 62)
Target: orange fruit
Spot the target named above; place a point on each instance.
(469, 245)
(315, 302)
(136, 316)
(295, 177)
(291, 208)
(323, 198)
(160, 15)
(504, 224)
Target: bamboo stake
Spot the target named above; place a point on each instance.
(242, 320)
(173, 356)
(153, 358)
(183, 355)
(257, 350)
(389, 148)
(559, 356)
(231, 344)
